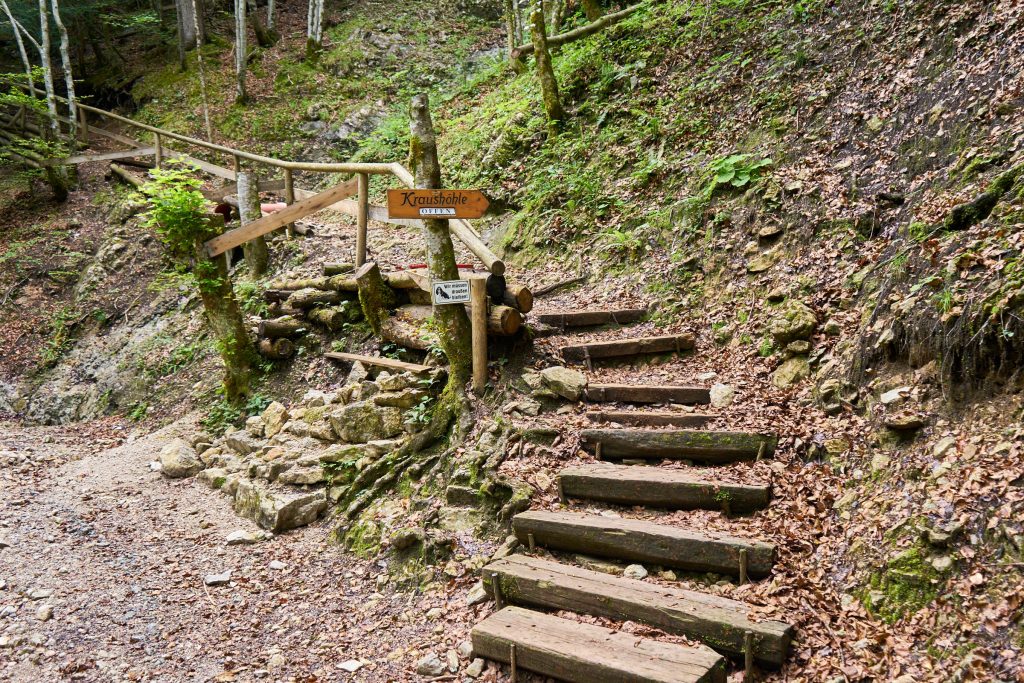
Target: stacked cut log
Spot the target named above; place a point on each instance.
(328, 302)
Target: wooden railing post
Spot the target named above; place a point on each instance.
(83, 125)
(361, 216)
(478, 324)
(289, 198)
(158, 155)
(236, 165)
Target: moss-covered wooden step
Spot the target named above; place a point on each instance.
(584, 653)
(641, 541)
(718, 622)
(647, 393)
(660, 487)
(712, 447)
(620, 348)
(591, 318)
(640, 418)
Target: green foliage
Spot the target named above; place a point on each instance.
(420, 414)
(767, 348)
(625, 243)
(60, 330)
(223, 414)
(736, 170)
(177, 212)
(138, 411)
(250, 297)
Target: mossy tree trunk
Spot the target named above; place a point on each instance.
(512, 35)
(545, 71)
(375, 296)
(225, 319)
(257, 255)
(452, 321)
(592, 9)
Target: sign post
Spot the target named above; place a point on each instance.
(474, 293)
(441, 204)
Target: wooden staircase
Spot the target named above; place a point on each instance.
(572, 651)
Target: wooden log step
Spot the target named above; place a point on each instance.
(584, 653)
(641, 541)
(619, 348)
(622, 316)
(650, 419)
(718, 622)
(631, 393)
(711, 447)
(389, 363)
(660, 487)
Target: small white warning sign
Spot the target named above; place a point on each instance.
(450, 292)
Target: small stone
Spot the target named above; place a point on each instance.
(242, 537)
(453, 661)
(465, 649)
(707, 376)
(274, 418)
(568, 384)
(430, 665)
(668, 575)
(178, 459)
(942, 563)
(475, 668)
(791, 371)
(905, 422)
(217, 579)
(351, 666)
(477, 594)
(894, 396)
(880, 462)
(635, 571)
(776, 295)
(407, 538)
(39, 593)
(276, 661)
(45, 612)
(254, 425)
(832, 328)
(277, 565)
(944, 446)
(798, 347)
(722, 395)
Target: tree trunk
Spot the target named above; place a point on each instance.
(241, 63)
(69, 79)
(264, 36)
(452, 321)
(257, 255)
(227, 324)
(591, 9)
(202, 73)
(314, 29)
(191, 27)
(375, 296)
(545, 72)
(285, 326)
(16, 29)
(270, 15)
(44, 56)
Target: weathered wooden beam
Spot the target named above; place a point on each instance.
(653, 393)
(124, 175)
(621, 316)
(641, 541)
(636, 418)
(285, 326)
(660, 487)
(301, 209)
(718, 622)
(104, 156)
(628, 347)
(704, 446)
(584, 653)
(389, 363)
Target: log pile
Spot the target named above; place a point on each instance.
(332, 300)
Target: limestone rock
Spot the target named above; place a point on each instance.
(243, 537)
(213, 477)
(477, 594)
(217, 579)
(255, 426)
(405, 399)
(302, 476)
(178, 459)
(242, 443)
(722, 395)
(343, 453)
(791, 371)
(905, 422)
(894, 396)
(278, 511)
(362, 422)
(475, 668)
(274, 418)
(407, 538)
(567, 383)
(430, 665)
(944, 446)
(44, 612)
(462, 495)
(794, 320)
(635, 571)
(390, 383)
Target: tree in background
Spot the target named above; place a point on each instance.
(241, 61)
(545, 71)
(314, 29)
(178, 215)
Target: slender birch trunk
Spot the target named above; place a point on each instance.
(257, 256)
(69, 79)
(314, 28)
(202, 75)
(16, 28)
(270, 15)
(240, 51)
(44, 57)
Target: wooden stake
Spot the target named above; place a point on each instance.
(748, 656)
(236, 164)
(158, 155)
(83, 125)
(478, 323)
(289, 198)
(362, 211)
(743, 566)
(561, 493)
(760, 453)
(496, 589)
(530, 542)
(597, 451)
(512, 663)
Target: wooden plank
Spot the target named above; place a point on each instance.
(651, 393)
(389, 363)
(124, 139)
(712, 447)
(640, 541)
(584, 653)
(637, 418)
(629, 347)
(660, 487)
(106, 156)
(622, 316)
(218, 194)
(289, 214)
(718, 622)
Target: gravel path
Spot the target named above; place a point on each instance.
(120, 555)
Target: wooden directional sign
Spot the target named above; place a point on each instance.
(436, 204)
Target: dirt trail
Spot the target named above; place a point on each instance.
(125, 553)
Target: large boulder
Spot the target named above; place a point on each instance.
(362, 422)
(278, 511)
(178, 459)
(568, 384)
(794, 320)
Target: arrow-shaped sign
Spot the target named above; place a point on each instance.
(436, 204)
